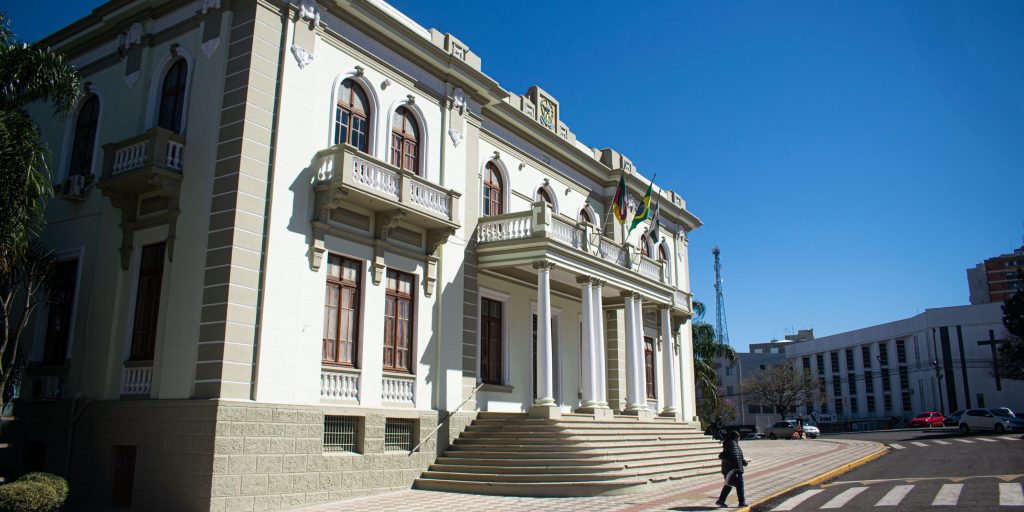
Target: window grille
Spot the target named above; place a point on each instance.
(398, 434)
(123, 477)
(340, 433)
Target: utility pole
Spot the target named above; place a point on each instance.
(721, 327)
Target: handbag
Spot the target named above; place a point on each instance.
(732, 477)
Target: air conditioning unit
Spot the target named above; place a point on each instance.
(74, 187)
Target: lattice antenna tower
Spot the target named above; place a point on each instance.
(721, 325)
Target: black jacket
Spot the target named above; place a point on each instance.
(732, 456)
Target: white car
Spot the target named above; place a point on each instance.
(989, 419)
(784, 430)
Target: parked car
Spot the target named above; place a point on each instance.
(953, 420)
(927, 419)
(989, 419)
(1003, 411)
(753, 436)
(784, 430)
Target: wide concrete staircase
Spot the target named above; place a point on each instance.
(514, 455)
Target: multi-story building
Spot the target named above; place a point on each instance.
(943, 359)
(297, 239)
(996, 279)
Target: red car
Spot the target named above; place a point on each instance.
(927, 419)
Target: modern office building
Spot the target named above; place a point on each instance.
(995, 279)
(943, 359)
(304, 245)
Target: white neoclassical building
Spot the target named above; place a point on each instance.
(303, 246)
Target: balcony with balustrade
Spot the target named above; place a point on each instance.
(511, 243)
(142, 178)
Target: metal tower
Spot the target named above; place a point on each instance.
(721, 327)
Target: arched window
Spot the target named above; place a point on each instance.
(172, 97)
(544, 195)
(405, 151)
(493, 190)
(85, 137)
(645, 246)
(662, 253)
(351, 117)
(585, 216)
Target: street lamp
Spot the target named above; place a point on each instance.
(938, 376)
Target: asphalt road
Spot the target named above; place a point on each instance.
(927, 469)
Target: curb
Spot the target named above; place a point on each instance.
(828, 475)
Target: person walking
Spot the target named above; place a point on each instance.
(799, 427)
(732, 469)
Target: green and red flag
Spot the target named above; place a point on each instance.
(643, 211)
(656, 223)
(619, 201)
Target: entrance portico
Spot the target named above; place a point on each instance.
(610, 280)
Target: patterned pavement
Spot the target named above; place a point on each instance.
(774, 467)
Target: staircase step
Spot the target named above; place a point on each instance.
(544, 489)
(548, 469)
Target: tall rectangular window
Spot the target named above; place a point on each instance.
(849, 360)
(123, 477)
(820, 359)
(58, 325)
(649, 366)
(398, 321)
(147, 302)
(490, 341)
(341, 311)
(835, 361)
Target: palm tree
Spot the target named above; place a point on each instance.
(28, 74)
(705, 349)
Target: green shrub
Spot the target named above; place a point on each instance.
(28, 496)
(57, 483)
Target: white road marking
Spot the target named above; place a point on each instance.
(897, 446)
(844, 497)
(965, 440)
(987, 440)
(949, 494)
(915, 443)
(894, 496)
(795, 501)
(1011, 495)
(937, 441)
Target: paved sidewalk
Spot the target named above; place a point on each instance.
(774, 467)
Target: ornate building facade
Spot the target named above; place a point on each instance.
(304, 245)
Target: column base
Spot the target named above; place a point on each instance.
(600, 413)
(547, 412)
(640, 411)
(670, 412)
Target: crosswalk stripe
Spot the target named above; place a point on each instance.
(844, 497)
(987, 440)
(937, 441)
(915, 443)
(949, 494)
(894, 496)
(795, 501)
(1011, 495)
(897, 446)
(964, 440)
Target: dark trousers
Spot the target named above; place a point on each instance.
(739, 490)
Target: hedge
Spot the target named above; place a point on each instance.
(57, 483)
(34, 492)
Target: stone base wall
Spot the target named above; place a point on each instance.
(217, 455)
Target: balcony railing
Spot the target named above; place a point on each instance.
(352, 169)
(137, 380)
(155, 148)
(339, 385)
(398, 389)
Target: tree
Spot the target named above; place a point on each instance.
(28, 74)
(705, 349)
(1011, 353)
(724, 411)
(781, 387)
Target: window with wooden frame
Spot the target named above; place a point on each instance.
(85, 137)
(122, 477)
(172, 97)
(342, 311)
(645, 246)
(398, 321)
(649, 366)
(544, 195)
(662, 253)
(405, 149)
(147, 303)
(58, 325)
(352, 117)
(585, 216)
(493, 198)
(491, 329)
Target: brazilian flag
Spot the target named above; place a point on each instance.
(643, 212)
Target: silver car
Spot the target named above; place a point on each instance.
(784, 430)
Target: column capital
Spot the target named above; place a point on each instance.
(545, 265)
(626, 294)
(637, 296)
(584, 280)
(664, 307)
(597, 283)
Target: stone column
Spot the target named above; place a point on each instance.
(668, 363)
(544, 405)
(601, 350)
(589, 348)
(688, 377)
(640, 363)
(636, 394)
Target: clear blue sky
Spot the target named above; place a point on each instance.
(851, 159)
